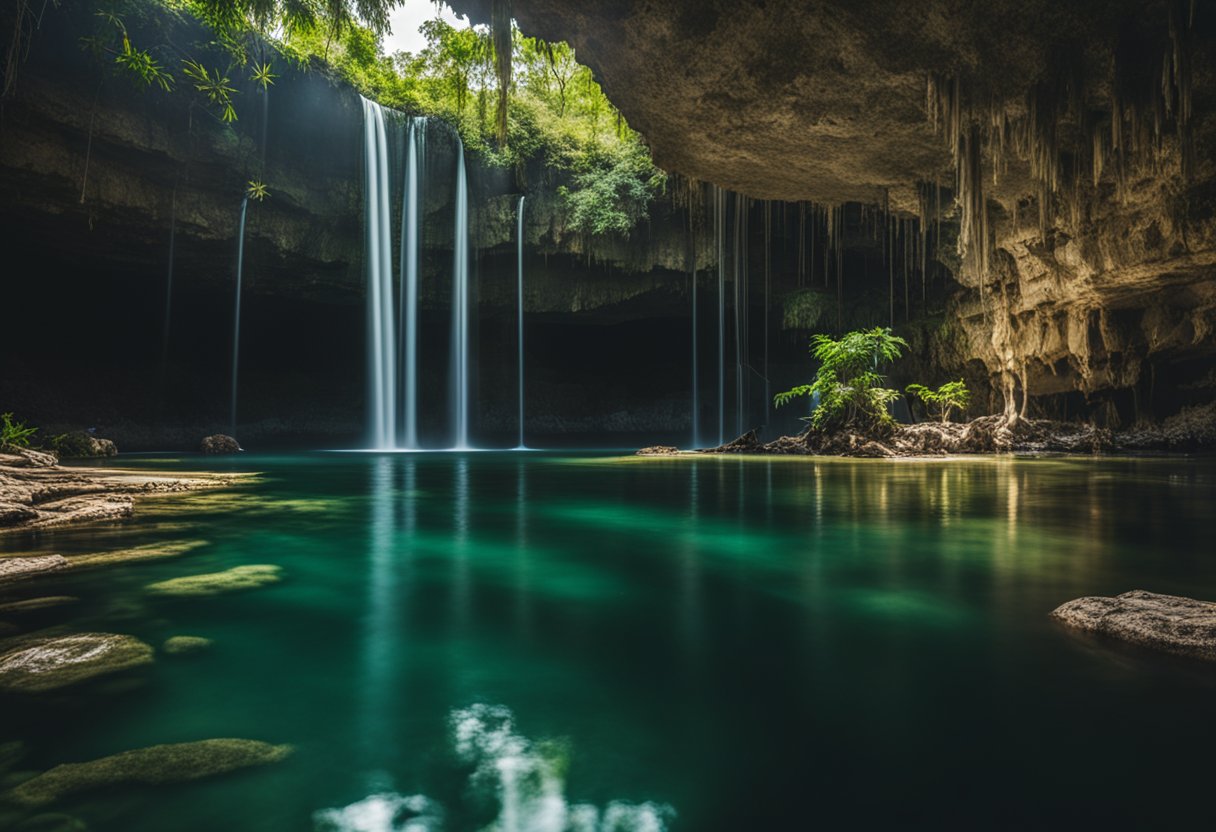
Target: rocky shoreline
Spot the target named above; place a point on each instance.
(1194, 429)
(37, 493)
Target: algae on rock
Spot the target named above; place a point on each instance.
(235, 579)
(156, 765)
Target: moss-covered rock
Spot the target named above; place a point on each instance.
(236, 579)
(82, 445)
(151, 551)
(156, 765)
(52, 663)
(185, 645)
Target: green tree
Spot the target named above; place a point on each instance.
(848, 383)
(945, 399)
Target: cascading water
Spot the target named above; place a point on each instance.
(236, 313)
(381, 343)
(164, 347)
(411, 254)
(459, 394)
(720, 234)
(519, 271)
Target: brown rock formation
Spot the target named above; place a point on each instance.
(1183, 626)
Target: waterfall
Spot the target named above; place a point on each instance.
(164, 347)
(519, 291)
(740, 310)
(696, 387)
(236, 314)
(459, 394)
(382, 376)
(720, 234)
(411, 260)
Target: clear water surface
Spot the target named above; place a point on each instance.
(544, 642)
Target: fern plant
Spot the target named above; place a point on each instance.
(14, 433)
(848, 384)
(945, 399)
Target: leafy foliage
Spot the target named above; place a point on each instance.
(263, 76)
(213, 87)
(13, 432)
(943, 401)
(848, 384)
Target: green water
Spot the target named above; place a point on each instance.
(541, 642)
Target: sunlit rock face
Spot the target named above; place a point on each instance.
(826, 101)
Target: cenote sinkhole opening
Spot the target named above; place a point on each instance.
(543, 416)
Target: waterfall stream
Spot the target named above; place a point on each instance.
(460, 307)
(519, 290)
(236, 313)
(411, 261)
(381, 343)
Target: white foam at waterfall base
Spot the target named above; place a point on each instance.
(386, 812)
(522, 776)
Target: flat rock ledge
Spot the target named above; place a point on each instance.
(1170, 623)
(36, 493)
(49, 664)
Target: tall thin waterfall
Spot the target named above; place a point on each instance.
(740, 309)
(720, 233)
(696, 384)
(236, 313)
(519, 292)
(381, 343)
(411, 260)
(460, 307)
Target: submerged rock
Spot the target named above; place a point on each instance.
(15, 569)
(185, 645)
(158, 764)
(236, 579)
(36, 604)
(1182, 626)
(52, 663)
(219, 443)
(10, 754)
(51, 822)
(151, 551)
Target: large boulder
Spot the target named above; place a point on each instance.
(52, 663)
(1173, 624)
(81, 444)
(218, 443)
(158, 764)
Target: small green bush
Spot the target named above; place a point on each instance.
(943, 401)
(848, 383)
(15, 433)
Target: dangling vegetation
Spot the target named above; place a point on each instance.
(944, 400)
(519, 102)
(848, 384)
